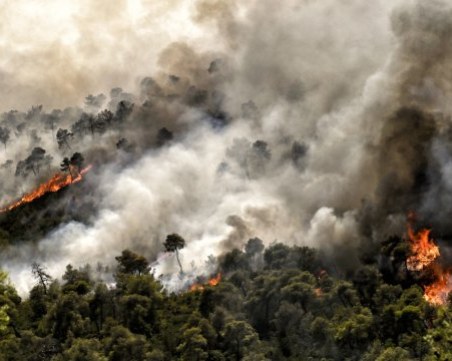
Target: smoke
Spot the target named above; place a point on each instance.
(83, 47)
(309, 123)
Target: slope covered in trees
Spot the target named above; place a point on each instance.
(278, 303)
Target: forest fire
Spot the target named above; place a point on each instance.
(214, 281)
(423, 250)
(424, 256)
(57, 182)
(438, 291)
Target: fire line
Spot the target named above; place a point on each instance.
(53, 185)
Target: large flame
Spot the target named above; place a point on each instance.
(423, 249)
(424, 255)
(211, 282)
(57, 182)
(438, 291)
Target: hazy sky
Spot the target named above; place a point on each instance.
(54, 52)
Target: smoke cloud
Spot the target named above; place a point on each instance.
(309, 123)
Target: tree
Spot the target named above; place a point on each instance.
(63, 136)
(103, 120)
(77, 280)
(194, 345)
(300, 290)
(83, 350)
(94, 102)
(174, 243)
(65, 166)
(132, 263)
(40, 274)
(240, 339)
(50, 120)
(34, 112)
(122, 344)
(83, 125)
(9, 301)
(4, 318)
(123, 110)
(76, 161)
(33, 162)
(4, 135)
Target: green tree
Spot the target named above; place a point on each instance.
(121, 344)
(240, 339)
(174, 243)
(194, 345)
(132, 263)
(83, 350)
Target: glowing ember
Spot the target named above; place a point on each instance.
(423, 250)
(57, 182)
(211, 282)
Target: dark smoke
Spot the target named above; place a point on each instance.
(310, 123)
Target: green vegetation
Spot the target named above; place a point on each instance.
(278, 303)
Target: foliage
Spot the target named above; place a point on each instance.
(279, 303)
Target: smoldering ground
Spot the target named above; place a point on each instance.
(314, 123)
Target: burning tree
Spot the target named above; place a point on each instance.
(174, 243)
(424, 259)
(76, 162)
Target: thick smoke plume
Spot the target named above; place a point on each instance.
(312, 123)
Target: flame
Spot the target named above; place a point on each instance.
(423, 249)
(54, 184)
(211, 282)
(215, 280)
(424, 255)
(438, 291)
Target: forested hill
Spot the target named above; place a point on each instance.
(279, 303)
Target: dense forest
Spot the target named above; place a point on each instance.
(274, 303)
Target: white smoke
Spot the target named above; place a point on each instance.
(326, 75)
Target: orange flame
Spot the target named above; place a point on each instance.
(423, 250)
(57, 182)
(211, 282)
(215, 280)
(438, 291)
(424, 254)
